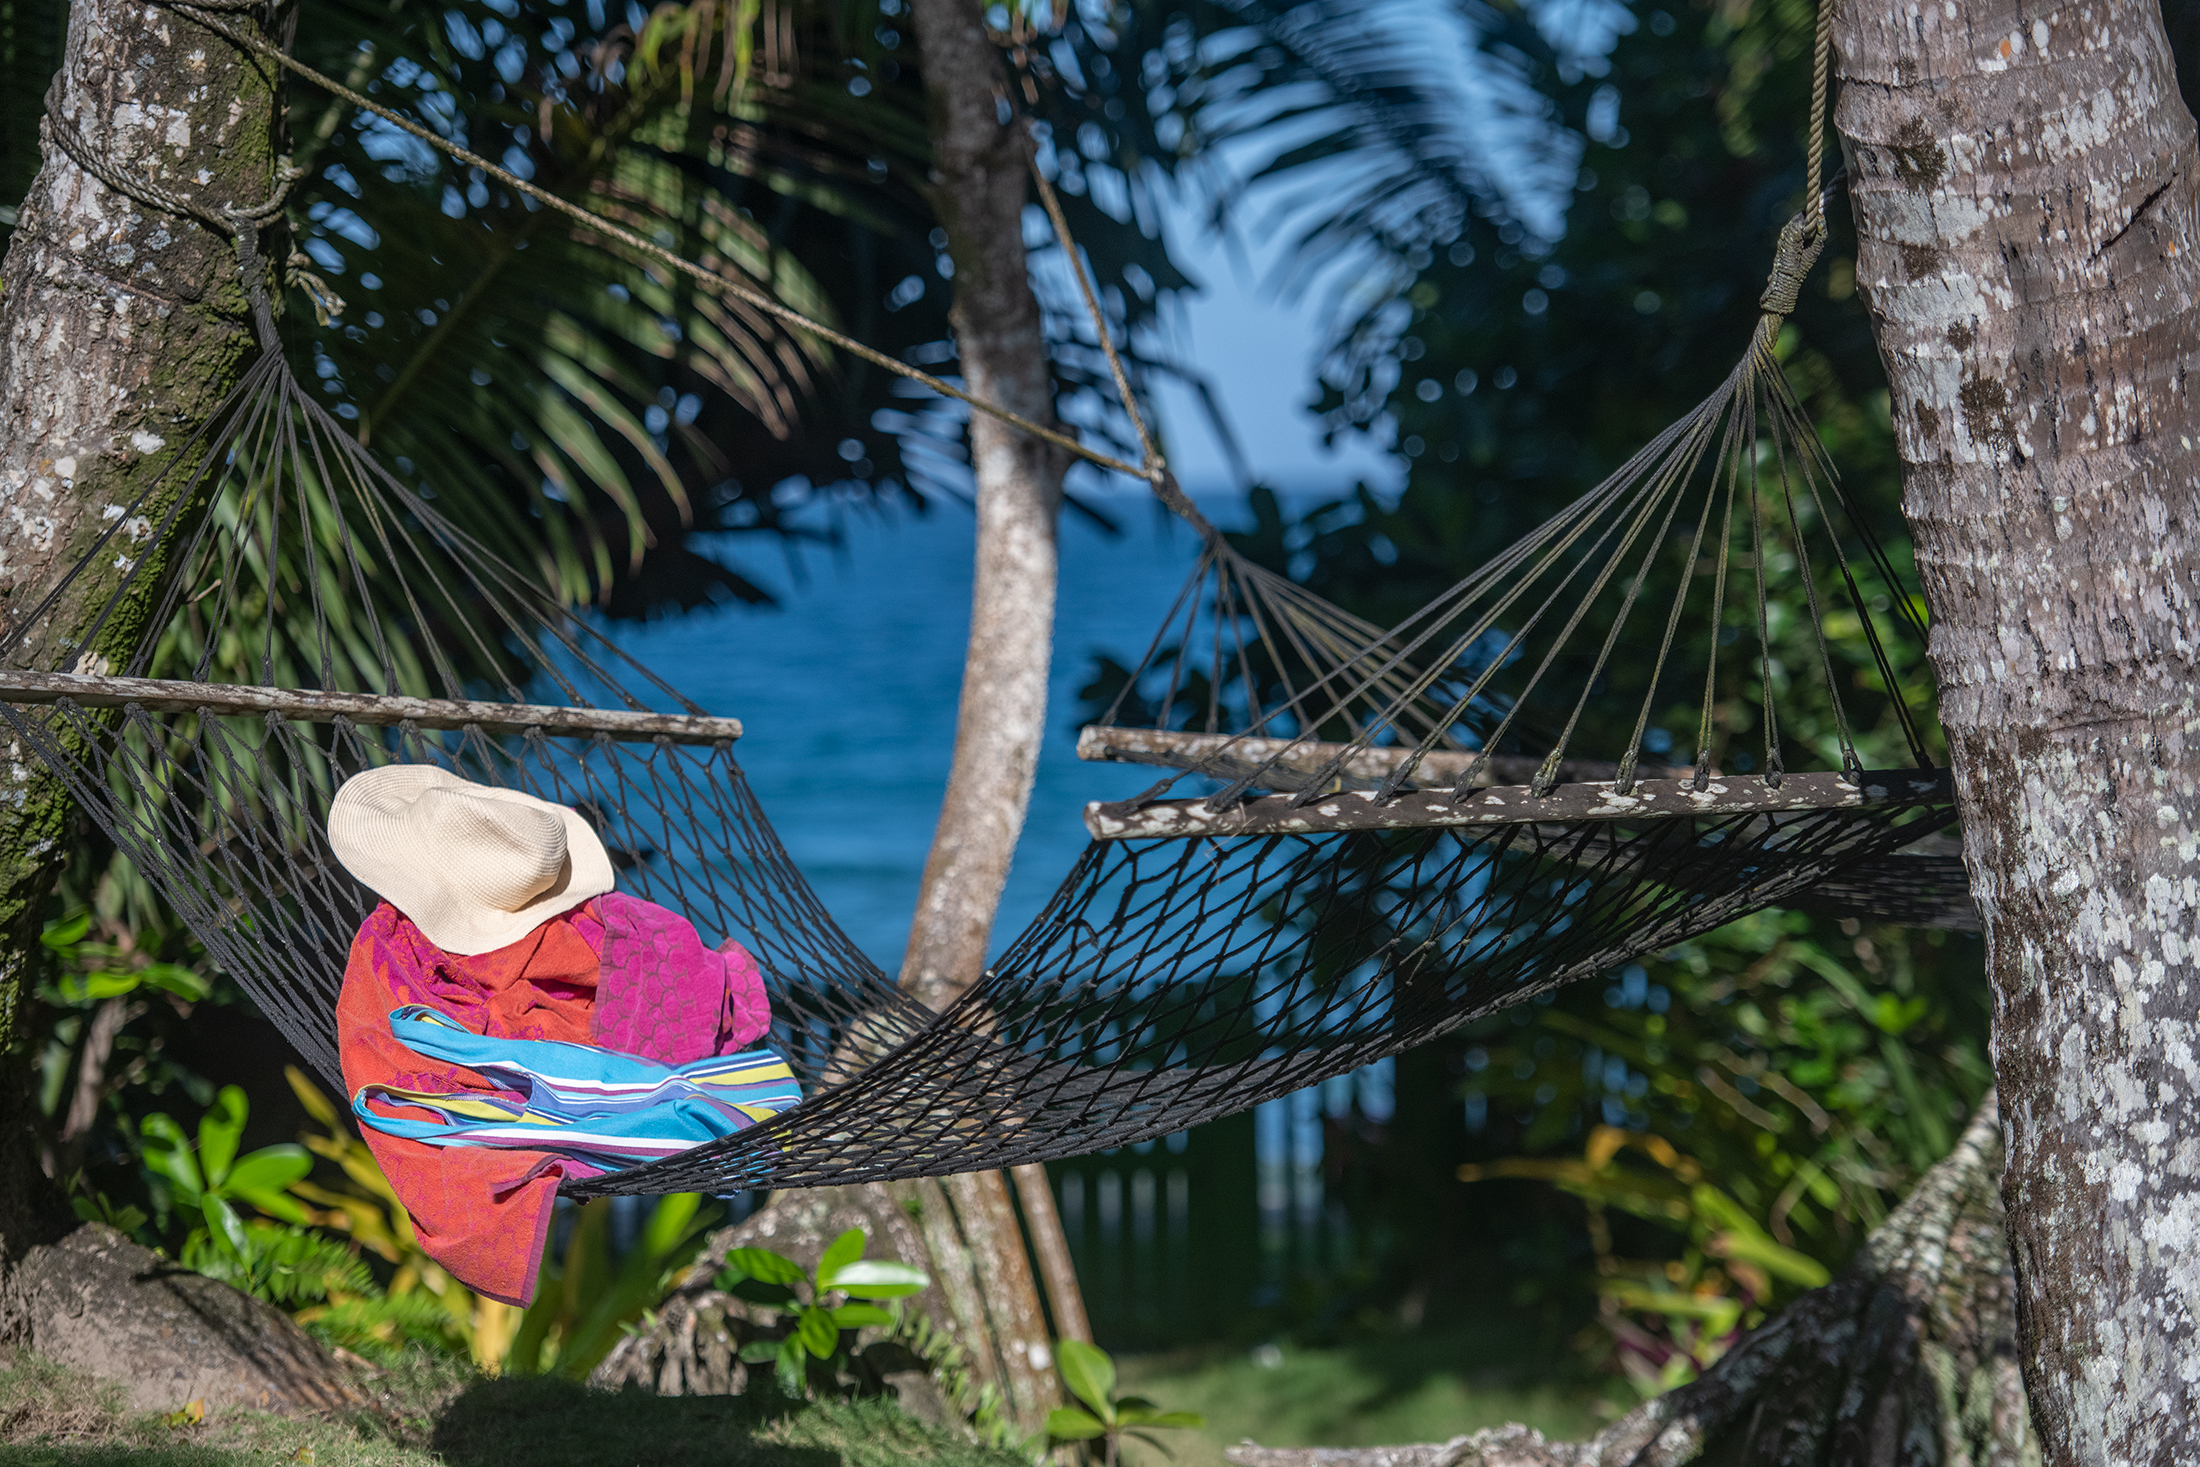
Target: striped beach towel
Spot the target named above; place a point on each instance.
(602, 1108)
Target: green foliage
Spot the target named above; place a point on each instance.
(1106, 1417)
(586, 1296)
(1758, 1098)
(109, 1037)
(212, 1179)
(284, 1264)
(820, 1312)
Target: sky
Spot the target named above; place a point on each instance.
(1257, 351)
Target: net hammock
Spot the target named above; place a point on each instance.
(1355, 876)
(1364, 838)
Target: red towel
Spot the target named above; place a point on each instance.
(480, 1213)
(483, 1212)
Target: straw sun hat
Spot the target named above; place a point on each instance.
(475, 868)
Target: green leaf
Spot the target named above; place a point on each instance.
(816, 1330)
(756, 1352)
(839, 1254)
(734, 1282)
(856, 1316)
(275, 1204)
(793, 1370)
(172, 978)
(227, 1228)
(765, 1266)
(95, 987)
(101, 1209)
(219, 1131)
(317, 1105)
(1068, 1424)
(1090, 1376)
(1782, 1263)
(168, 1154)
(1144, 1413)
(270, 1169)
(66, 932)
(880, 1279)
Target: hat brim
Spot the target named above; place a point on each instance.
(412, 881)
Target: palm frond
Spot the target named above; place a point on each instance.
(580, 407)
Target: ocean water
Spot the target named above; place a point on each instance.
(847, 693)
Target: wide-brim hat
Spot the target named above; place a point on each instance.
(475, 868)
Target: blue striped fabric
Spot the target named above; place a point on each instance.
(605, 1109)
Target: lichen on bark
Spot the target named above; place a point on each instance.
(2024, 183)
(122, 327)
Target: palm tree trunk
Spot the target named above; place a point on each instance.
(968, 1235)
(121, 327)
(2027, 195)
(981, 171)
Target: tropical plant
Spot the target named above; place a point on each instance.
(1757, 1097)
(327, 1286)
(1105, 1417)
(820, 1312)
(587, 1295)
(210, 1178)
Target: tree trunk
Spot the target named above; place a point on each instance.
(985, 1291)
(981, 175)
(2024, 184)
(121, 328)
(1907, 1359)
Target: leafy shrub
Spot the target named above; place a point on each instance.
(1106, 1417)
(820, 1313)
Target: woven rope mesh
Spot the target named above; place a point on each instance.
(1168, 981)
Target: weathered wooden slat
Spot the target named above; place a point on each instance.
(162, 695)
(1652, 799)
(1233, 757)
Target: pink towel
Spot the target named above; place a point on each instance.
(664, 996)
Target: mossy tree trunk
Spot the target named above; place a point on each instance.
(122, 326)
(2027, 198)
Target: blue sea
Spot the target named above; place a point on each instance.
(847, 692)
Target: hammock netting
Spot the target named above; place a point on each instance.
(1362, 837)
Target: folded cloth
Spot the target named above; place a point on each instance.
(664, 996)
(606, 1110)
(481, 1212)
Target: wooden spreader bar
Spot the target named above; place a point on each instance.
(1652, 799)
(1288, 764)
(161, 695)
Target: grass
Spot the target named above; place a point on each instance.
(1402, 1388)
(1420, 1387)
(434, 1417)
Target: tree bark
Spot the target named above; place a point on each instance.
(981, 172)
(1907, 1359)
(2023, 178)
(122, 326)
(983, 1276)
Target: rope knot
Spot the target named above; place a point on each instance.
(1799, 247)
